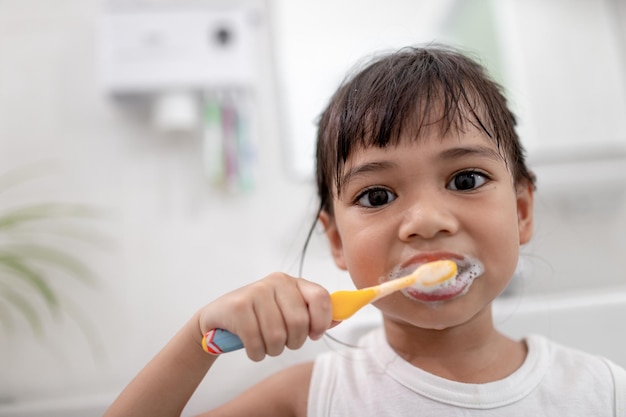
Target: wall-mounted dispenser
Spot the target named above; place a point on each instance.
(196, 66)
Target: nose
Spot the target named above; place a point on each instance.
(427, 218)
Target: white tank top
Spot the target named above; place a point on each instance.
(553, 381)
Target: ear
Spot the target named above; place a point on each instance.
(334, 239)
(525, 194)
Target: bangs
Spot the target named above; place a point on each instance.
(403, 96)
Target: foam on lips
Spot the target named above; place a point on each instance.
(468, 270)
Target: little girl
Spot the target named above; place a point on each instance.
(417, 160)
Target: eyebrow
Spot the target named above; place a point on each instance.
(480, 151)
(365, 168)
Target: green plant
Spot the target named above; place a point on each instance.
(38, 243)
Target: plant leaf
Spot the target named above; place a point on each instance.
(20, 303)
(22, 270)
(66, 231)
(6, 317)
(29, 242)
(43, 211)
(51, 256)
(29, 172)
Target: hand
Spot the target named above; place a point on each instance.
(276, 312)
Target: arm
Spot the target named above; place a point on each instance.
(276, 312)
(165, 385)
(282, 394)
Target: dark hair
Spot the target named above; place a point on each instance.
(406, 92)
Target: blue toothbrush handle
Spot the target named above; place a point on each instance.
(218, 341)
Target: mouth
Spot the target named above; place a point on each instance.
(468, 270)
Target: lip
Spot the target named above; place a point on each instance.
(430, 257)
(469, 269)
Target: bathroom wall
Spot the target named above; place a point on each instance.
(174, 241)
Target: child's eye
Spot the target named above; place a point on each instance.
(375, 197)
(467, 180)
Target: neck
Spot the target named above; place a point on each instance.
(473, 352)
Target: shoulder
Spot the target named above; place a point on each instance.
(563, 356)
(288, 389)
(284, 393)
(295, 381)
(576, 374)
(565, 359)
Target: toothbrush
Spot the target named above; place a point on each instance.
(345, 303)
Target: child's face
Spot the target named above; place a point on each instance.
(429, 199)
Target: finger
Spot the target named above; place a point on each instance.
(317, 299)
(295, 314)
(246, 326)
(269, 314)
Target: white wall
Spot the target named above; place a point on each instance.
(179, 243)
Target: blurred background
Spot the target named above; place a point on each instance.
(155, 154)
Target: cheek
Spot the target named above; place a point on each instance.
(498, 241)
(365, 250)
(497, 216)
